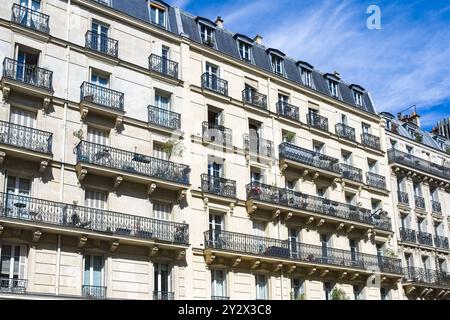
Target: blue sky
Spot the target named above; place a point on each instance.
(405, 63)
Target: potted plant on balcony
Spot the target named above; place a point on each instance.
(338, 294)
(288, 136)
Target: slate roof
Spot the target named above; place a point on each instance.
(226, 44)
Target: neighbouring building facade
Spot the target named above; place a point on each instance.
(147, 153)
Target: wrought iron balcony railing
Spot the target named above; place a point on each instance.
(30, 18)
(254, 98)
(376, 181)
(418, 164)
(346, 132)
(436, 207)
(105, 97)
(351, 173)
(93, 292)
(258, 145)
(131, 162)
(408, 235)
(85, 218)
(164, 118)
(163, 65)
(163, 295)
(288, 110)
(317, 121)
(425, 238)
(286, 249)
(419, 202)
(101, 43)
(371, 141)
(214, 83)
(300, 201)
(12, 285)
(217, 133)
(427, 276)
(403, 197)
(218, 186)
(308, 157)
(28, 74)
(220, 298)
(441, 242)
(25, 137)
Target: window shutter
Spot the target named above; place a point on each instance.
(23, 262)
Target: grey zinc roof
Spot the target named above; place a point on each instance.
(226, 44)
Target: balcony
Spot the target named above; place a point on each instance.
(215, 133)
(419, 202)
(345, 132)
(436, 207)
(101, 43)
(287, 110)
(163, 66)
(418, 164)
(29, 18)
(427, 277)
(164, 118)
(317, 121)
(441, 242)
(351, 173)
(408, 235)
(12, 285)
(271, 198)
(257, 145)
(371, 141)
(403, 198)
(27, 79)
(25, 138)
(214, 83)
(79, 219)
(218, 186)
(425, 238)
(309, 160)
(297, 252)
(163, 295)
(375, 181)
(134, 167)
(93, 292)
(252, 97)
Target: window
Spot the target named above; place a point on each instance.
(358, 98)
(158, 15)
(388, 124)
(93, 275)
(244, 50)
(350, 199)
(327, 290)
(216, 225)
(393, 144)
(410, 150)
(255, 175)
(291, 184)
(27, 19)
(344, 119)
(277, 64)
(353, 250)
(162, 101)
(373, 166)
(346, 157)
(159, 152)
(207, 35)
(324, 240)
(306, 77)
(357, 293)
(95, 199)
(365, 128)
(333, 87)
(17, 188)
(12, 265)
(298, 289)
(22, 118)
(288, 136)
(385, 294)
(162, 281)
(261, 287)
(318, 147)
(27, 60)
(218, 284)
(98, 136)
(321, 192)
(293, 241)
(99, 79)
(215, 169)
(32, 4)
(283, 99)
(162, 211)
(99, 38)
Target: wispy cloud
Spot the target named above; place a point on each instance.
(180, 3)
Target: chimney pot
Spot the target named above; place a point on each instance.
(258, 39)
(219, 22)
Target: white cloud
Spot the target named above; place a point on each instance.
(180, 3)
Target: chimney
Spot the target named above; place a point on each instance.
(258, 39)
(337, 74)
(415, 118)
(219, 22)
(399, 116)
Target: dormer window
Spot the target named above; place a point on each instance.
(306, 77)
(158, 14)
(277, 64)
(358, 98)
(207, 35)
(333, 87)
(244, 51)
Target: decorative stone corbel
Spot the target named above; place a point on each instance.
(320, 223)
(350, 228)
(255, 264)
(232, 206)
(114, 245)
(275, 214)
(36, 236)
(410, 289)
(343, 275)
(247, 158)
(278, 267)
(205, 203)
(83, 113)
(324, 273)
(304, 174)
(312, 271)
(42, 166)
(153, 251)
(236, 262)
(151, 188)
(6, 91)
(316, 176)
(292, 269)
(356, 275)
(288, 216)
(2, 157)
(182, 194)
(283, 167)
(340, 227)
(117, 181)
(46, 103)
(82, 174)
(309, 221)
(119, 121)
(210, 259)
(252, 208)
(181, 255)
(1, 230)
(82, 242)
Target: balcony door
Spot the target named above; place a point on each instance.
(93, 217)
(261, 287)
(213, 74)
(218, 284)
(162, 102)
(162, 281)
(27, 62)
(254, 137)
(365, 128)
(324, 241)
(259, 233)
(18, 191)
(373, 167)
(93, 276)
(18, 136)
(99, 39)
(353, 251)
(98, 136)
(30, 19)
(294, 242)
(12, 266)
(216, 226)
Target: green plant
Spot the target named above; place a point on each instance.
(288, 136)
(301, 296)
(390, 253)
(418, 137)
(338, 294)
(173, 147)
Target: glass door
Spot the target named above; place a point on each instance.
(261, 287)
(218, 284)
(93, 276)
(216, 225)
(294, 242)
(12, 266)
(162, 283)
(18, 191)
(27, 18)
(259, 233)
(213, 74)
(95, 201)
(324, 242)
(99, 39)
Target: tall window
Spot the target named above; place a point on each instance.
(93, 275)
(162, 211)
(30, 19)
(358, 98)
(162, 101)
(207, 35)
(158, 15)
(277, 64)
(99, 40)
(159, 152)
(244, 50)
(95, 199)
(216, 225)
(27, 61)
(365, 128)
(162, 285)
(333, 87)
(327, 290)
(98, 136)
(17, 188)
(358, 293)
(218, 284)
(298, 289)
(306, 77)
(12, 265)
(99, 79)
(261, 287)
(385, 294)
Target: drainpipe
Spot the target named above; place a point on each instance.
(58, 264)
